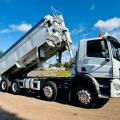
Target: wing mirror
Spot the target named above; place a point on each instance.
(105, 54)
(118, 54)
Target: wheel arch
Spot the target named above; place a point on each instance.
(87, 80)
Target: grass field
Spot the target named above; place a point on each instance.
(65, 73)
(50, 73)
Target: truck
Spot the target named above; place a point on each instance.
(95, 69)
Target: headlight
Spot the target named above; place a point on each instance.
(116, 86)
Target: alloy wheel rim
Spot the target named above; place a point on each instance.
(48, 91)
(84, 96)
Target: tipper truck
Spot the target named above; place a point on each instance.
(95, 70)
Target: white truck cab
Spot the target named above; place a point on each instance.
(100, 59)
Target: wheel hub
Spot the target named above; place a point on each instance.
(48, 92)
(84, 96)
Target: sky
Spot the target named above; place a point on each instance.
(84, 18)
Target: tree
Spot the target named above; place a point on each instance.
(57, 65)
(1, 52)
(67, 65)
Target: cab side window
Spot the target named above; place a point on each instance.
(94, 49)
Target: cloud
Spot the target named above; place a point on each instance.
(5, 31)
(92, 7)
(23, 27)
(79, 30)
(112, 26)
(108, 25)
(116, 34)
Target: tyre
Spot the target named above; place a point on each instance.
(49, 91)
(101, 102)
(4, 85)
(86, 97)
(15, 87)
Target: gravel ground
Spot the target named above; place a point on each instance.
(18, 107)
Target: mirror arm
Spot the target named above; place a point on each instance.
(107, 59)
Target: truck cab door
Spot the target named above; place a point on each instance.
(94, 60)
(115, 82)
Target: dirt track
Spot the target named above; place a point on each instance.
(14, 107)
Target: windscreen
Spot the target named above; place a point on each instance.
(115, 44)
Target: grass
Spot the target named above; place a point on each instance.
(50, 73)
(65, 73)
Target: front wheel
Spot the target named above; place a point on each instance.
(86, 97)
(49, 91)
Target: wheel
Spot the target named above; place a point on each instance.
(86, 97)
(4, 86)
(49, 91)
(15, 87)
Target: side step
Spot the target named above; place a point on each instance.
(103, 96)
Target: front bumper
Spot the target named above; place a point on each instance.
(115, 88)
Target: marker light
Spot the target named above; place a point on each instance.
(99, 34)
